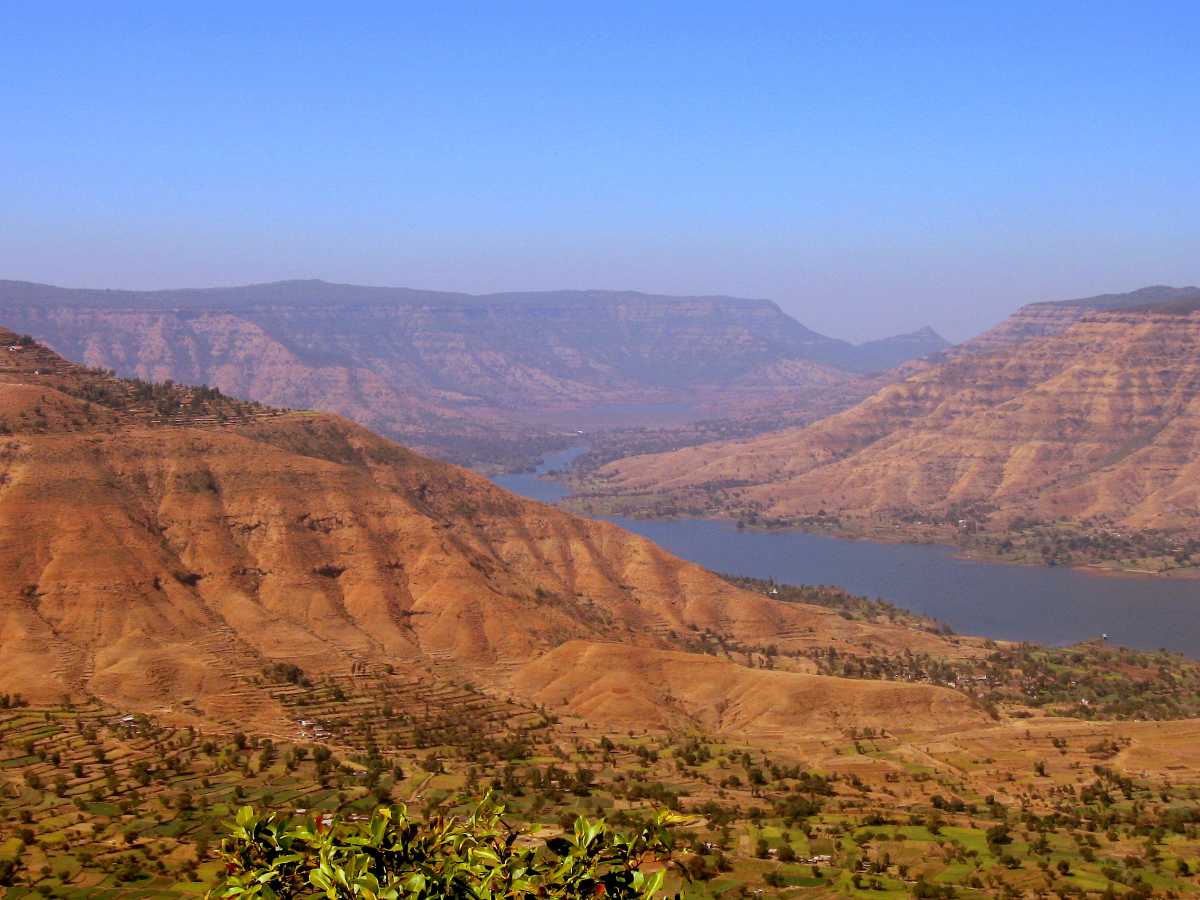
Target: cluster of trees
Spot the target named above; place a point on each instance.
(287, 673)
(853, 606)
(1091, 681)
(1093, 540)
(167, 399)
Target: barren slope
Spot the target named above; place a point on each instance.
(1065, 413)
(601, 682)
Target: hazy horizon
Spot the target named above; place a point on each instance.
(871, 171)
(560, 289)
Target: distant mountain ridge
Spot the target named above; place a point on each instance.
(432, 367)
(787, 335)
(1152, 296)
(889, 352)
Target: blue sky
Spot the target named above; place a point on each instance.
(872, 167)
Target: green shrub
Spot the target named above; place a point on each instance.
(393, 856)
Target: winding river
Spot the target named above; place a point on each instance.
(1010, 602)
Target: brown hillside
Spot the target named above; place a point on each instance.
(162, 545)
(1062, 414)
(629, 686)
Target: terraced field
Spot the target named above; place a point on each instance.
(95, 803)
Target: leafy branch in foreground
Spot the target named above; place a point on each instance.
(392, 857)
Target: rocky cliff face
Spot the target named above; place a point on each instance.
(453, 372)
(1065, 412)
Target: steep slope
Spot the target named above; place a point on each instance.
(163, 545)
(453, 371)
(1075, 413)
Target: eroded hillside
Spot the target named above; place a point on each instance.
(1077, 416)
(163, 545)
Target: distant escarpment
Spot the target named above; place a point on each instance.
(1069, 433)
(490, 379)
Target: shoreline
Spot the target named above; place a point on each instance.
(1014, 600)
(1100, 568)
(548, 470)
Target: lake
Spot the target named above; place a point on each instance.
(1022, 603)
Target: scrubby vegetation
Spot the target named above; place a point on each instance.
(852, 606)
(1093, 541)
(1093, 680)
(96, 803)
(109, 400)
(1087, 681)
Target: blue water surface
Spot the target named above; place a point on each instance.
(1045, 604)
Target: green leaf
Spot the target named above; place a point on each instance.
(319, 879)
(414, 883)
